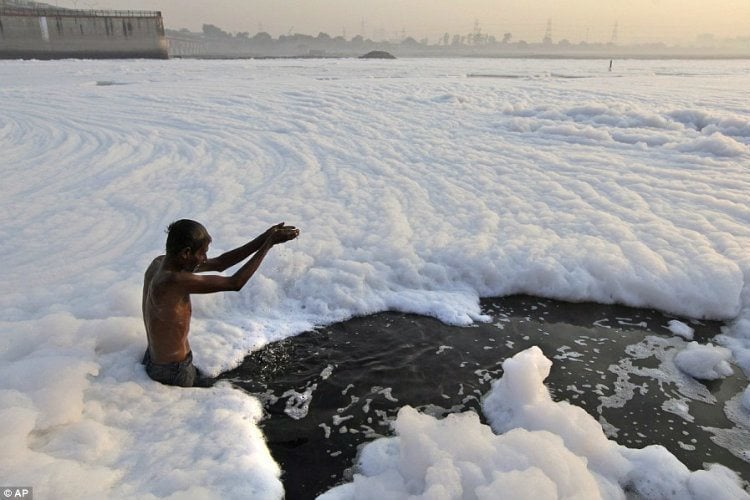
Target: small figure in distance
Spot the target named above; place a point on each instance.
(172, 278)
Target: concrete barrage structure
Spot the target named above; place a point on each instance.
(39, 31)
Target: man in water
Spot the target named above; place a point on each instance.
(171, 278)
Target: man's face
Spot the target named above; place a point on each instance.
(195, 259)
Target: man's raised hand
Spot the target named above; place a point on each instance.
(272, 228)
(281, 233)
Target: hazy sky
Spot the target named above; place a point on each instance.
(592, 20)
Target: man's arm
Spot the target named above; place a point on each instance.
(196, 283)
(232, 257)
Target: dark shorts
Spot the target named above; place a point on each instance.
(182, 374)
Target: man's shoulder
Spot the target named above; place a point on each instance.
(154, 266)
(162, 282)
(161, 277)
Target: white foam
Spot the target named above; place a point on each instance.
(679, 328)
(536, 448)
(416, 189)
(81, 418)
(707, 362)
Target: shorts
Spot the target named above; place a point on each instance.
(182, 374)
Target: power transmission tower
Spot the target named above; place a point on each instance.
(548, 33)
(477, 32)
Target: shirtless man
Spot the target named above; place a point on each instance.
(171, 278)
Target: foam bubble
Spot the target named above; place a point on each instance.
(679, 328)
(707, 362)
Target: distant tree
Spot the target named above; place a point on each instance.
(446, 39)
(507, 37)
(243, 36)
(409, 41)
(357, 40)
(456, 40)
(262, 37)
(212, 31)
(297, 38)
(564, 43)
(481, 39)
(324, 37)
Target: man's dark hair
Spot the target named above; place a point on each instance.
(186, 233)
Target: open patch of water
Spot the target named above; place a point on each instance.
(327, 392)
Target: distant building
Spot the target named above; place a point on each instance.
(34, 30)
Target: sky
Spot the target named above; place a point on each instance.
(576, 20)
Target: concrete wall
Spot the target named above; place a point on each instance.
(54, 34)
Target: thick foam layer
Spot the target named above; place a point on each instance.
(81, 418)
(416, 189)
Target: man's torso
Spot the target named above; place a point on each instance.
(166, 313)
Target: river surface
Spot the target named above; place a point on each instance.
(329, 391)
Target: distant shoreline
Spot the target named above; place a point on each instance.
(620, 57)
(581, 57)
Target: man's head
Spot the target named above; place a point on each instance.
(186, 234)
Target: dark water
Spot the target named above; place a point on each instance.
(329, 391)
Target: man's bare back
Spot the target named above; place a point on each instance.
(166, 312)
(171, 278)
